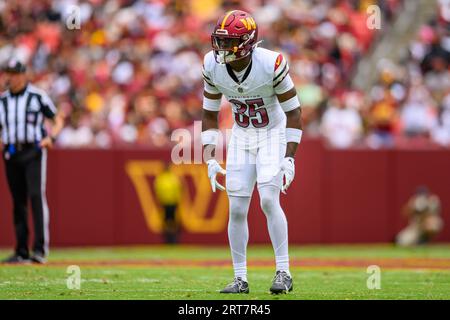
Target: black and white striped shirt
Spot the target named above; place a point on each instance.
(22, 115)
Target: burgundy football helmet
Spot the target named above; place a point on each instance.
(234, 37)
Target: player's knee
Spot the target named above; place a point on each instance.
(268, 203)
(238, 212)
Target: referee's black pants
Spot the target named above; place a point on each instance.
(26, 175)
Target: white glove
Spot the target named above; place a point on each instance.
(287, 168)
(213, 169)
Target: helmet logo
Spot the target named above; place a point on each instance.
(234, 36)
(249, 23)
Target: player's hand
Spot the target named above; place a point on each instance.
(287, 168)
(213, 169)
(46, 143)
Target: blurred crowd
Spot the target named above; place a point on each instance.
(128, 72)
(410, 103)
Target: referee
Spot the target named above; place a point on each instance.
(23, 108)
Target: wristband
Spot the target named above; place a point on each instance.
(210, 136)
(293, 135)
(211, 104)
(290, 104)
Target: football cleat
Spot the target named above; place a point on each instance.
(282, 283)
(237, 286)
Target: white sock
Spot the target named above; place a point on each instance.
(282, 264)
(240, 270)
(277, 225)
(238, 234)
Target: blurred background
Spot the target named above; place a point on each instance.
(131, 74)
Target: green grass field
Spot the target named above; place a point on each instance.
(184, 272)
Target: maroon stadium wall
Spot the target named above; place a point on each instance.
(99, 197)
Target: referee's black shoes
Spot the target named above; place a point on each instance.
(16, 259)
(38, 258)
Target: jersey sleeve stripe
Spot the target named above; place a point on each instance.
(275, 85)
(281, 73)
(209, 82)
(204, 76)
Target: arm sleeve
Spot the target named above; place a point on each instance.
(47, 107)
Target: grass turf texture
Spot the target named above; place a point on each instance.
(332, 272)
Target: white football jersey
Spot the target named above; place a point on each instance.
(253, 99)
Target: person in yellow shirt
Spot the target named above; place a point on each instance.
(168, 190)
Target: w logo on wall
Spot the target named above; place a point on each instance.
(198, 212)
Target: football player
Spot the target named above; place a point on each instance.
(264, 139)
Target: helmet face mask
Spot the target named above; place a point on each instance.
(225, 43)
(225, 48)
(234, 37)
(224, 56)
